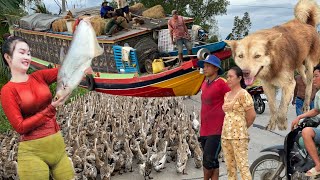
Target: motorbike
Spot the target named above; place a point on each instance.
(288, 161)
(259, 104)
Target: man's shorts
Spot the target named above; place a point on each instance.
(317, 136)
(211, 146)
(181, 42)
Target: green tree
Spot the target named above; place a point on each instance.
(11, 4)
(213, 39)
(241, 27)
(203, 10)
(40, 7)
(168, 5)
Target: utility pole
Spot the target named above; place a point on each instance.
(63, 6)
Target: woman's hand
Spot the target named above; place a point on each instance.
(60, 101)
(89, 70)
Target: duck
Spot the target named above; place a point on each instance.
(197, 155)
(159, 159)
(145, 168)
(182, 155)
(195, 122)
(129, 156)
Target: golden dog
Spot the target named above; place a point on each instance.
(272, 55)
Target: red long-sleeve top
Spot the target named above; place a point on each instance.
(27, 105)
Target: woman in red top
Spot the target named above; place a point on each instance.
(27, 102)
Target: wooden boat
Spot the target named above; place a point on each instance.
(184, 80)
(111, 75)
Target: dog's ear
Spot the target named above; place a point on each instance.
(273, 38)
(232, 44)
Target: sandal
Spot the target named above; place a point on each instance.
(312, 172)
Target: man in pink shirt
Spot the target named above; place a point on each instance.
(179, 34)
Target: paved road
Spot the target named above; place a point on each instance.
(259, 139)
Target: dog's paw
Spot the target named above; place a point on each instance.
(282, 126)
(272, 124)
(282, 123)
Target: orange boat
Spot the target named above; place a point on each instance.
(184, 80)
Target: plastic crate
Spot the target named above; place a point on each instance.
(124, 67)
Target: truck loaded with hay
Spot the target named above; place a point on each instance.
(143, 73)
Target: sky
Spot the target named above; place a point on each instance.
(263, 13)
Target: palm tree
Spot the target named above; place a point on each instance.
(41, 8)
(12, 4)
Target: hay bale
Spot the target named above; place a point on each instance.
(155, 12)
(59, 25)
(98, 24)
(137, 8)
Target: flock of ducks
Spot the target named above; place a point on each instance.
(107, 134)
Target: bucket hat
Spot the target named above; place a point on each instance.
(214, 60)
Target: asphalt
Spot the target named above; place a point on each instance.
(259, 139)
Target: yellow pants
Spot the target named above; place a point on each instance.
(40, 157)
(235, 153)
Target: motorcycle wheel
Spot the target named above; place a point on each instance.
(259, 105)
(263, 167)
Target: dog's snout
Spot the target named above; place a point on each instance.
(246, 73)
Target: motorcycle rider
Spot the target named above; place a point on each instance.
(311, 136)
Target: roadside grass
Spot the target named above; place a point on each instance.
(4, 123)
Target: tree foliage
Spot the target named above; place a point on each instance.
(203, 10)
(11, 4)
(41, 8)
(241, 27)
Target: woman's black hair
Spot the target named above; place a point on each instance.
(9, 45)
(316, 68)
(104, 3)
(239, 73)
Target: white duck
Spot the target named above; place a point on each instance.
(195, 122)
(159, 159)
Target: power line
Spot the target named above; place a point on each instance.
(260, 6)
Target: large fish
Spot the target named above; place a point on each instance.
(84, 47)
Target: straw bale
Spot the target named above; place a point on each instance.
(59, 25)
(98, 24)
(155, 12)
(137, 8)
